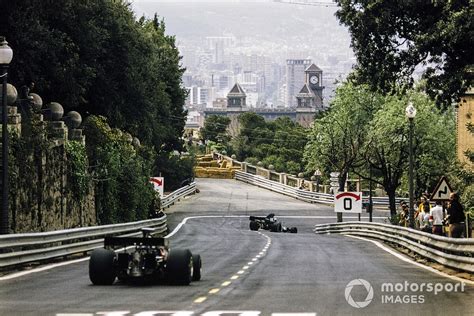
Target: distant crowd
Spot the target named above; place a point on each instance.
(440, 218)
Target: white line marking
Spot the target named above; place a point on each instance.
(226, 283)
(200, 299)
(214, 291)
(241, 272)
(234, 277)
(74, 314)
(406, 259)
(250, 263)
(48, 267)
(55, 265)
(245, 267)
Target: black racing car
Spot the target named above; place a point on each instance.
(144, 257)
(270, 223)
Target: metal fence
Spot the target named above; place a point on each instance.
(16, 249)
(450, 252)
(308, 196)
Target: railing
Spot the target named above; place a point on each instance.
(16, 249)
(292, 182)
(451, 252)
(312, 197)
(174, 196)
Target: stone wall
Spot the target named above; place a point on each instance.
(42, 197)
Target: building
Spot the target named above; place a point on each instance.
(464, 117)
(295, 78)
(311, 94)
(303, 114)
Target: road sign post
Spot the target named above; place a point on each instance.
(348, 202)
(442, 190)
(158, 185)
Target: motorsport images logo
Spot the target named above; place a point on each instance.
(368, 298)
(397, 293)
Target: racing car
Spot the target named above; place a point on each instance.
(270, 223)
(142, 258)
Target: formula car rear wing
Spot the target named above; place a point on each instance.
(135, 241)
(258, 218)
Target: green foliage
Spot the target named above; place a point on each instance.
(337, 138)
(365, 130)
(121, 173)
(96, 58)
(280, 142)
(215, 129)
(391, 38)
(433, 143)
(177, 170)
(78, 164)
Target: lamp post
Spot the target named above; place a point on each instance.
(6, 55)
(371, 203)
(410, 113)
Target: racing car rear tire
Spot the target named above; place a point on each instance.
(101, 267)
(197, 264)
(180, 266)
(293, 230)
(276, 227)
(254, 225)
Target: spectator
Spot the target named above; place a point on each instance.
(437, 216)
(302, 185)
(404, 213)
(420, 219)
(456, 216)
(424, 207)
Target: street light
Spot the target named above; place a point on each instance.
(410, 113)
(6, 55)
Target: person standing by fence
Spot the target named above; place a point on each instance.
(456, 216)
(437, 216)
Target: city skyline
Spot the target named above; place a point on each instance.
(227, 42)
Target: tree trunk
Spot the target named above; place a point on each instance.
(342, 183)
(391, 200)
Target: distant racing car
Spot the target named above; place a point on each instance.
(144, 257)
(271, 223)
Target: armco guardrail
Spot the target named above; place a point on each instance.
(312, 197)
(308, 196)
(174, 196)
(16, 249)
(451, 252)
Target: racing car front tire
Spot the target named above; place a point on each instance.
(293, 230)
(179, 266)
(101, 267)
(197, 264)
(254, 225)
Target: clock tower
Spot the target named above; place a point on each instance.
(314, 78)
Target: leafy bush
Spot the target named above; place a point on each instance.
(121, 173)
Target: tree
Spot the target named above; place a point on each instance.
(337, 138)
(392, 39)
(215, 128)
(386, 147)
(279, 143)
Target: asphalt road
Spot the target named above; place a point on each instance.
(259, 272)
